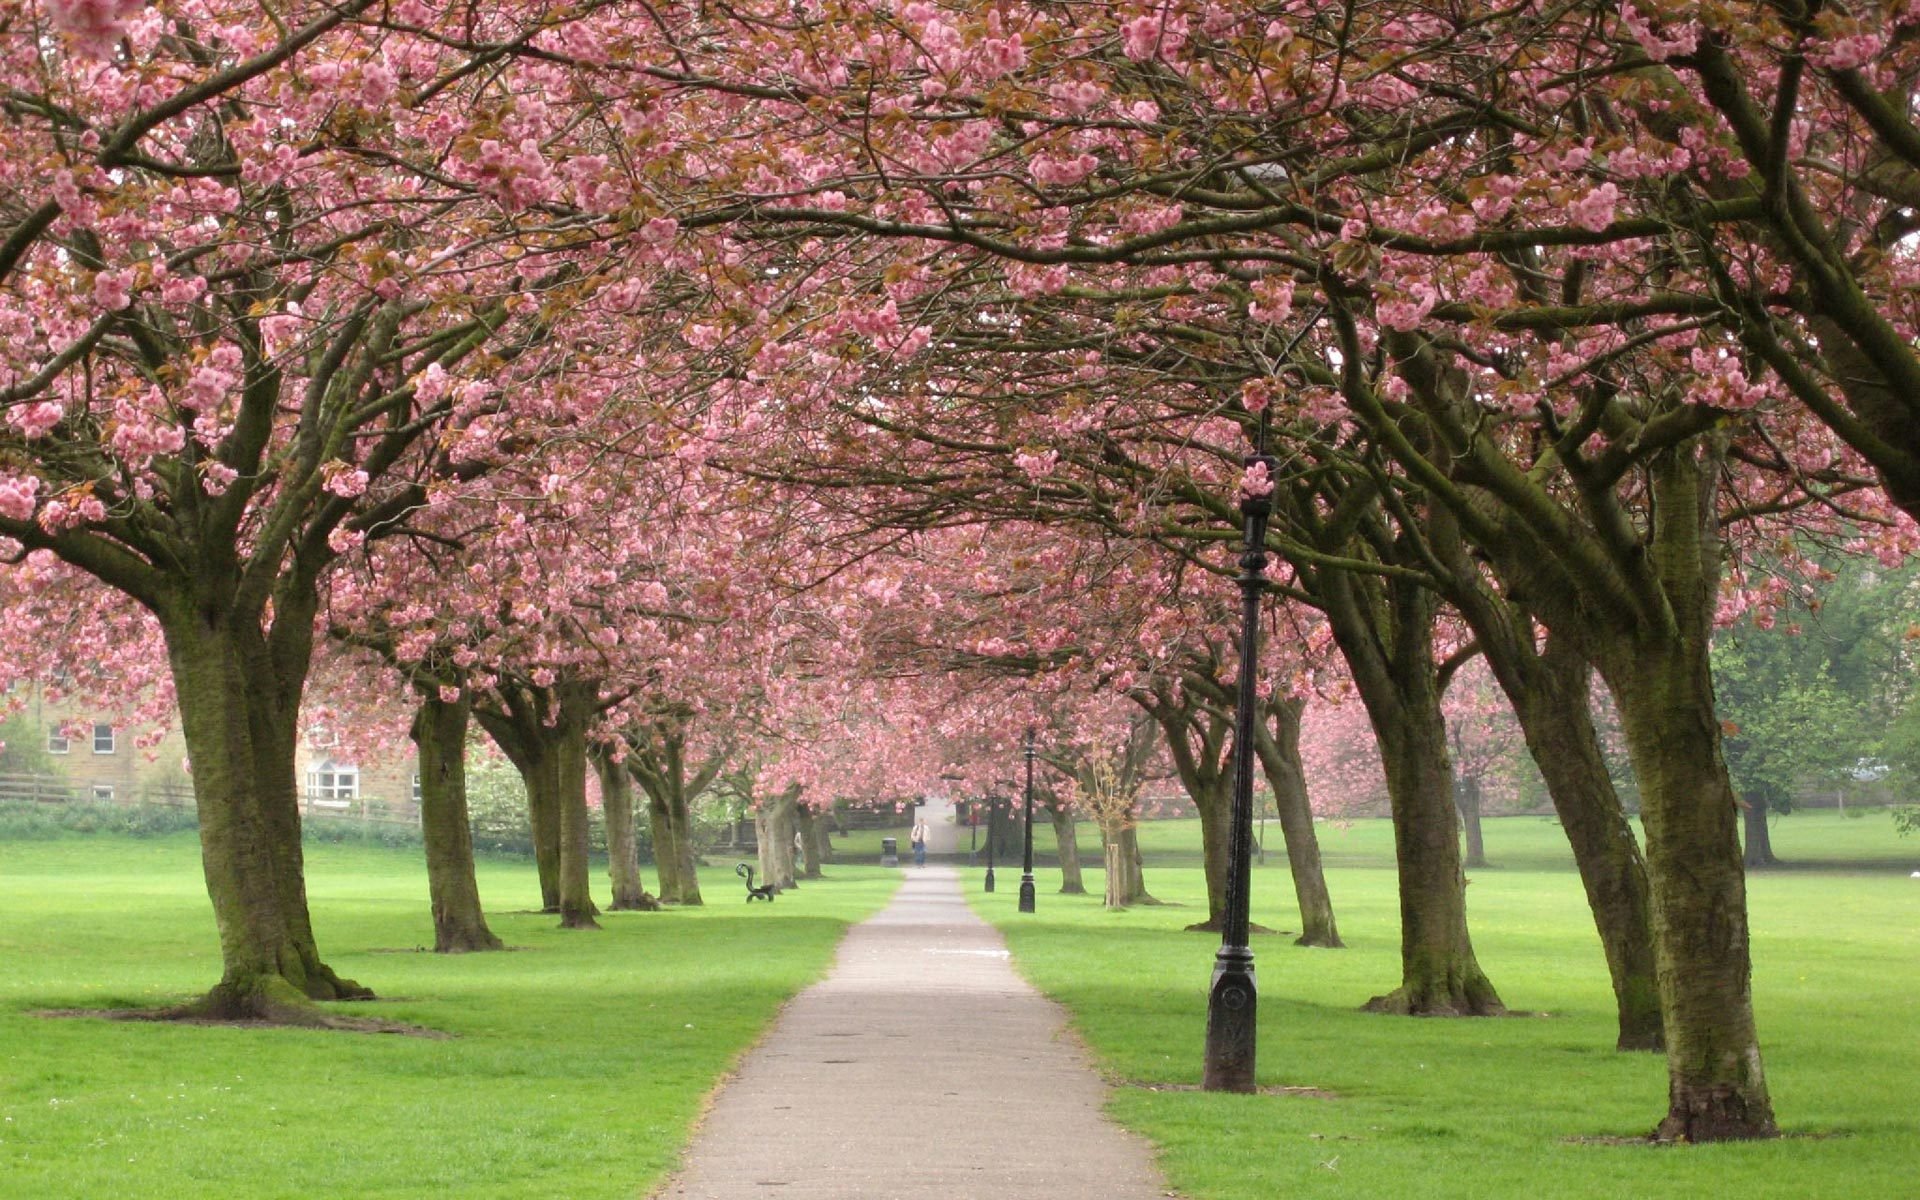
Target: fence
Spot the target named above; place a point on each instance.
(56, 789)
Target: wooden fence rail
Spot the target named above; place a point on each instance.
(55, 789)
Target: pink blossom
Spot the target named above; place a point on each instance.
(449, 695)
(1659, 47)
(1595, 209)
(1076, 97)
(17, 495)
(344, 481)
(1049, 171)
(1148, 36)
(113, 290)
(36, 420)
(1406, 312)
(1256, 481)
(1037, 466)
(216, 478)
(94, 25)
(1849, 53)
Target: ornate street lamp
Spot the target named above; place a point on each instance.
(1026, 862)
(1231, 1007)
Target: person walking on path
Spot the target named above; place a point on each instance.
(806, 1115)
(919, 838)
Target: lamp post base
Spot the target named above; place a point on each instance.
(1232, 1005)
(1026, 892)
(989, 886)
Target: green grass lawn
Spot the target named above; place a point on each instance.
(577, 1063)
(1497, 1107)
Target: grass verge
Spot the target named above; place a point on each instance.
(1523, 1107)
(577, 1064)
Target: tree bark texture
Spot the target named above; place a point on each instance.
(1758, 850)
(774, 824)
(1066, 839)
(1466, 798)
(1557, 721)
(813, 841)
(1384, 629)
(570, 777)
(1716, 1084)
(239, 711)
(1200, 743)
(440, 738)
(522, 736)
(623, 842)
(1277, 740)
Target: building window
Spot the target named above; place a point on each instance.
(416, 787)
(102, 739)
(103, 793)
(56, 741)
(332, 784)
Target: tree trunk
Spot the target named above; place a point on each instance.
(1067, 840)
(247, 801)
(1759, 844)
(1136, 892)
(1384, 629)
(570, 776)
(1439, 974)
(525, 740)
(1716, 1085)
(774, 825)
(1198, 741)
(1466, 798)
(680, 810)
(440, 736)
(813, 840)
(623, 844)
(1278, 744)
(1556, 718)
(666, 847)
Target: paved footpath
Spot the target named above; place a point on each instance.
(921, 1066)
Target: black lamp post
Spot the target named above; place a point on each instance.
(1026, 861)
(992, 803)
(1231, 999)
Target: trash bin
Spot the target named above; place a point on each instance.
(889, 852)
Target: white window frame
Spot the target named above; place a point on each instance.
(57, 742)
(333, 785)
(112, 742)
(103, 793)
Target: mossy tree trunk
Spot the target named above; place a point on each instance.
(518, 726)
(623, 843)
(1620, 551)
(658, 760)
(1547, 682)
(238, 683)
(1466, 798)
(1137, 892)
(1758, 850)
(575, 703)
(440, 737)
(1277, 739)
(1383, 626)
(774, 825)
(1066, 839)
(813, 840)
(1199, 739)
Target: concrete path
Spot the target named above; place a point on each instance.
(921, 1066)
